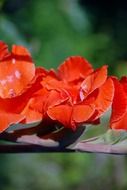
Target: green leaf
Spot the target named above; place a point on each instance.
(112, 142)
(20, 126)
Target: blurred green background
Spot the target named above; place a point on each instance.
(54, 30)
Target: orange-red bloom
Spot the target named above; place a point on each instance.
(75, 93)
(19, 79)
(119, 107)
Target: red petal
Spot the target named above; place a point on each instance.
(62, 113)
(70, 90)
(119, 105)
(123, 81)
(82, 113)
(7, 119)
(74, 68)
(94, 80)
(16, 72)
(69, 116)
(105, 97)
(3, 50)
(17, 104)
(31, 114)
(120, 124)
(40, 71)
(44, 100)
(56, 98)
(21, 51)
(52, 83)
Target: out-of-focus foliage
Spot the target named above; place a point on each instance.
(53, 30)
(56, 29)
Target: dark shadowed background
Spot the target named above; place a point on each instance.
(54, 30)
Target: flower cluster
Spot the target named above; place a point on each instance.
(72, 95)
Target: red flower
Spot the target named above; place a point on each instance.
(75, 93)
(119, 107)
(18, 81)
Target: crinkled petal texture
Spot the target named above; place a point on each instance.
(74, 94)
(70, 116)
(119, 107)
(94, 80)
(3, 50)
(16, 71)
(86, 94)
(105, 96)
(19, 80)
(74, 68)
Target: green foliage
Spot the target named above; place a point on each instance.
(54, 32)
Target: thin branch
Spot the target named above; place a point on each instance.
(26, 148)
(101, 148)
